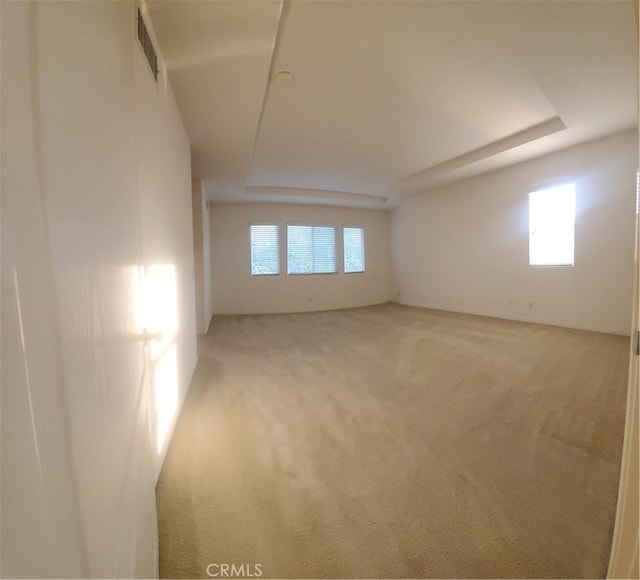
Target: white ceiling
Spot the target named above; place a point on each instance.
(389, 98)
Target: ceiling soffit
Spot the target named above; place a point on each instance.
(389, 98)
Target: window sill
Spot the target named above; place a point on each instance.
(551, 265)
(312, 273)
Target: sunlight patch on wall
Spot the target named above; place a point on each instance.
(157, 319)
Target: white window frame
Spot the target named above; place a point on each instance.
(312, 225)
(364, 251)
(552, 263)
(260, 275)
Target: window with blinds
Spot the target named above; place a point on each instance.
(551, 226)
(265, 257)
(311, 250)
(353, 250)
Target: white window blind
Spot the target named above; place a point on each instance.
(353, 250)
(311, 250)
(551, 226)
(264, 250)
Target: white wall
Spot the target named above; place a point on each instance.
(163, 159)
(202, 256)
(464, 247)
(198, 253)
(235, 291)
(95, 205)
(206, 259)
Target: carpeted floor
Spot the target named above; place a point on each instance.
(399, 442)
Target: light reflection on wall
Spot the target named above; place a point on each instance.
(157, 316)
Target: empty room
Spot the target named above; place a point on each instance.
(319, 289)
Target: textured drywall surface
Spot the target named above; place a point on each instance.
(465, 247)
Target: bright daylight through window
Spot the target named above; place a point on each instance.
(265, 259)
(353, 250)
(551, 226)
(311, 250)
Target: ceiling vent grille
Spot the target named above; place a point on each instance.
(147, 46)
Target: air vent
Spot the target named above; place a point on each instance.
(147, 46)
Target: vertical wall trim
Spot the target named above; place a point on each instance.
(623, 562)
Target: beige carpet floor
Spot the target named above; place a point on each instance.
(399, 442)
